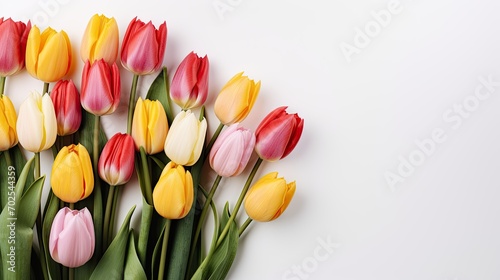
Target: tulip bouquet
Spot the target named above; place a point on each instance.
(71, 234)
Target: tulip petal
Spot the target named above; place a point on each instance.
(32, 50)
(30, 124)
(73, 245)
(49, 122)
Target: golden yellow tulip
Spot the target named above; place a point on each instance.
(149, 126)
(8, 119)
(100, 40)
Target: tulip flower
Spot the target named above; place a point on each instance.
(116, 162)
(48, 55)
(173, 195)
(268, 198)
(72, 237)
(8, 119)
(232, 150)
(13, 37)
(278, 134)
(189, 87)
(236, 99)
(100, 87)
(72, 179)
(36, 123)
(186, 138)
(149, 126)
(100, 40)
(66, 102)
(143, 47)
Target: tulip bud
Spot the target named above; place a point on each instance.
(232, 150)
(8, 119)
(72, 237)
(143, 47)
(186, 138)
(116, 162)
(189, 87)
(278, 134)
(268, 198)
(36, 123)
(100, 88)
(173, 195)
(13, 37)
(149, 125)
(236, 99)
(67, 107)
(72, 179)
(48, 55)
(100, 40)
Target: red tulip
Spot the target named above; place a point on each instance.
(13, 37)
(278, 134)
(100, 87)
(143, 47)
(116, 162)
(190, 83)
(65, 97)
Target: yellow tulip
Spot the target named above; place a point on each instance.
(48, 55)
(100, 40)
(72, 178)
(149, 126)
(8, 119)
(36, 123)
(236, 99)
(173, 195)
(269, 197)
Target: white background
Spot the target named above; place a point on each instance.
(364, 114)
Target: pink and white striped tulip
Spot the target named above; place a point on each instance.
(100, 87)
(66, 99)
(116, 162)
(278, 134)
(189, 87)
(232, 150)
(72, 238)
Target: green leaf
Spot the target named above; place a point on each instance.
(159, 90)
(223, 257)
(146, 217)
(111, 265)
(50, 212)
(133, 267)
(155, 259)
(13, 158)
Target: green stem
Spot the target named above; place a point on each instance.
(147, 177)
(214, 137)
(71, 206)
(244, 226)
(111, 228)
(45, 88)
(131, 103)
(97, 187)
(71, 273)
(164, 246)
(203, 214)
(38, 222)
(240, 201)
(107, 215)
(8, 159)
(2, 85)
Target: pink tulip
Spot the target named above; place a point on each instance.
(190, 83)
(143, 47)
(72, 238)
(232, 150)
(13, 37)
(116, 162)
(278, 134)
(65, 97)
(100, 87)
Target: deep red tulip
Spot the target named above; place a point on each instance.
(116, 162)
(66, 101)
(13, 37)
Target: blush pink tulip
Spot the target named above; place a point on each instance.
(232, 150)
(72, 238)
(65, 97)
(189, 87)
(116, 162)
(13, 37)
(100, 87)
(278, 134)
(143, 47)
